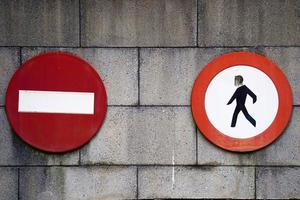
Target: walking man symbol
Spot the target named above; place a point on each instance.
(240, 95)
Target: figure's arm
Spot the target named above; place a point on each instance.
(252, 95)
(232, 98)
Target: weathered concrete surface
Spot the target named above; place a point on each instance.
(278, 183)
(76, 183)
(139, 23)
(34, 22)
(8, 183)
(288, 60)
(248, 23)
(118, 68)
(205, 182)
(210, 154)
(150, 135)
(13, 151)
(9, 62)
(286, 149)
(167, 75)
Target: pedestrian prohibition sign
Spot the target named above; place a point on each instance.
(241, 101)
(56, 102)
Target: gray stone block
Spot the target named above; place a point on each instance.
(8, 183)
(13, 151)
(9, 62)
(139, 23)
(286, 149)
(288, 60)
(148, 135)
(278, 183)
(203, 182)
(248, 23)
(210, 154)
(76, 183)
(34, 22)
(167, 75)
(118, 69)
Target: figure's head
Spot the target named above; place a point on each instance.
(238, 80)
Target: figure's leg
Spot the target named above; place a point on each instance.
(234, 117)
(248, 117)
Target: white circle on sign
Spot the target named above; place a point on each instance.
(221, 89)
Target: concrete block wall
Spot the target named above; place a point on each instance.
(148, 53)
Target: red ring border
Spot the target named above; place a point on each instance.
(285, 101)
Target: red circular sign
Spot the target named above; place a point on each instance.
(220, 64)
(56, 102)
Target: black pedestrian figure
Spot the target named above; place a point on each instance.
(240, 95)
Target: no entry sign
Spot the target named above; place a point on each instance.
(241, 101)
(56, 102)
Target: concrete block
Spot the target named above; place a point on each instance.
(118, 69)
(286, 149)
(210, 154)
(147, 135)
(167, 75)
(139, 23)
(13, 151)
(278, 183)
(33, 23)
(288, 60)
(8, 183)
(78, 183)
(203, 182)
(248, 23)
(9, 62)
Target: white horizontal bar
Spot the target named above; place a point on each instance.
(56, 102)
